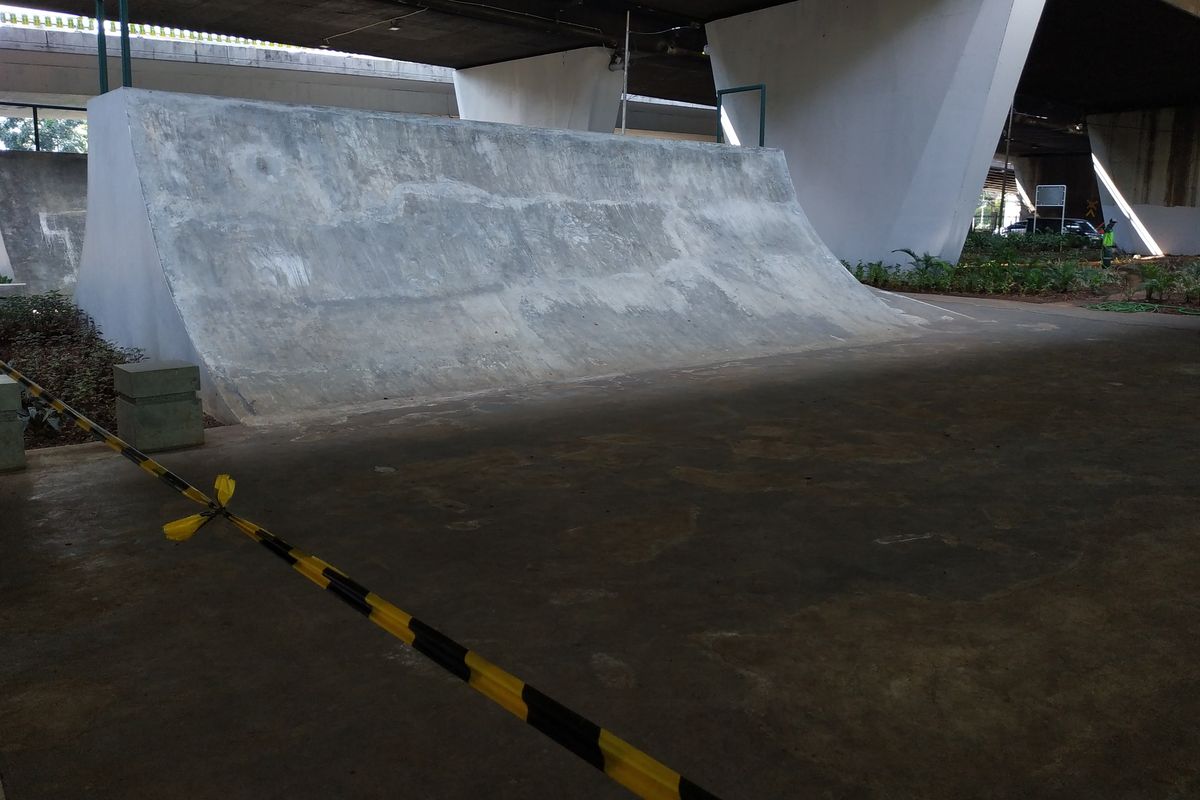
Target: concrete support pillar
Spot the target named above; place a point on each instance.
(1148, 166)
(888, 110)
(12, 437)
(574, 90)
(157, 407)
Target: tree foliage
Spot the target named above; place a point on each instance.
(57, 135)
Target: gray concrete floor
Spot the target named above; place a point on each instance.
(966, 565)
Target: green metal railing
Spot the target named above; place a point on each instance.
(761, 88)
(102, 44)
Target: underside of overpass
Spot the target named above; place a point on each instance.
(1088, 56)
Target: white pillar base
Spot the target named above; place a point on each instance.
(889, 115)
(1150, 178)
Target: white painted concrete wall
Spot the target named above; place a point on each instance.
(888, 111)
(574, 90)
(1152, 159)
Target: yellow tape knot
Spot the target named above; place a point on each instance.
(183, 529)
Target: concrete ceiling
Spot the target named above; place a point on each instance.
(461, 33)
(1190, 6)
(1111, 55)
(1088, 55)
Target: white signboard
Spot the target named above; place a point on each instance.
(1050, 195)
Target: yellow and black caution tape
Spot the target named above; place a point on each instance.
(621, 761)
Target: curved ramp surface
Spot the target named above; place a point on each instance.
(314, 257)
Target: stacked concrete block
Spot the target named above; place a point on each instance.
(157, 407)
(12, 440)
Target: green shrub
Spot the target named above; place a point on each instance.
(1033, 280)
(56, 344)
(981, 247)
(969, 279)
(982, 241)
(1094, 280)
(1156, 280)
(1004, 270)
(928, 272)
(1063, 277)
(5, 279)
(1189, 282)
(997, 278)
(876, 274)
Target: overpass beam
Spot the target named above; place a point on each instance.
(573, 90)
(889, 115)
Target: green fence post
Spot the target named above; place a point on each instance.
(101, 46)
(126, 60)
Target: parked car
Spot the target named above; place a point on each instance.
(1080, 227)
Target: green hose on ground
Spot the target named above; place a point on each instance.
(1129, 307)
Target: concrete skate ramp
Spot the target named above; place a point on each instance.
(316, 257)
(43, 205)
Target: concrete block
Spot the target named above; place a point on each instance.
(10, 394)
(156, 378)
(12, 440)
(157, 407)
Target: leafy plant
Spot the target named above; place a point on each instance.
(928, 271)
(877, 274)
(981, 240)
(41, 315)
(1189, 282)
(998, 278)
(969, 279)
(39, 416)
(1156, 280)
(5, 279)
(1034, 280)
(1094, 280)
(993, 264)
(1128, 289)
(1063, 276)
(49, 337)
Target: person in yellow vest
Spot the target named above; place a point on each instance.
(1109, 243)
